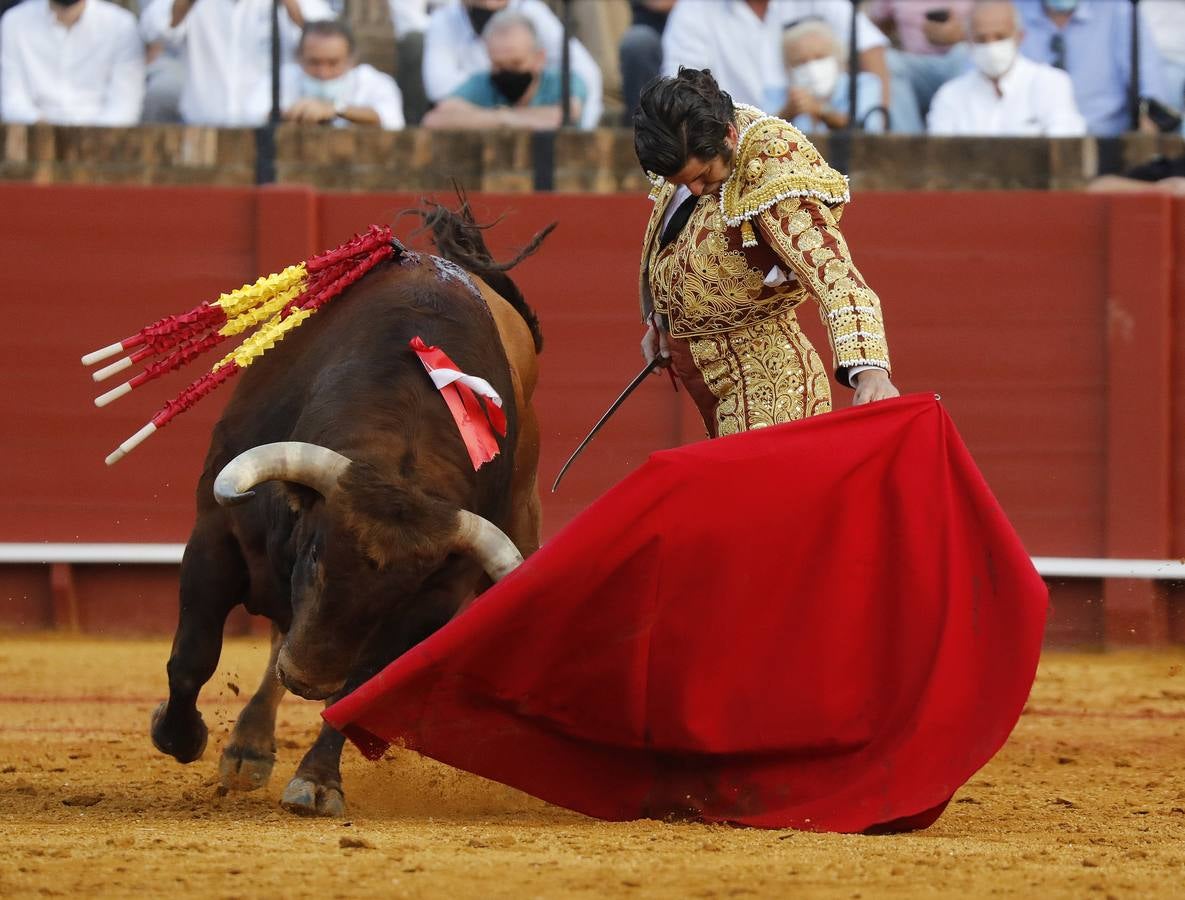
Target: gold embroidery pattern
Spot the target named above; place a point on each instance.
(762, 374)
(704, 287)
(803, 233)
(774, 161)
(661, 195)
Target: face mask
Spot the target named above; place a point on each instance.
(1061, 6)
(995, 58)
(478, 18)
(512, 85)
(819, 76)
(331, 90)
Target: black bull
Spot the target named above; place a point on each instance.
(350, 544)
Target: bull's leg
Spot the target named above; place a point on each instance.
(249, 756)
(526, 518)
(213, 580)
(316, 788)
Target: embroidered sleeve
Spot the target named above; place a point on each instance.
(803, 233)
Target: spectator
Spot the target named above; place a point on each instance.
(740, 41)
(640, 50)
(1005, 94)
(454, 52)
(1091, 41)
(1162, 175)
(520, 91)
(818, 80)
(1166, 19)
(931, 34)
(410, 20)
(327, 85)
(226, 46)
(77, 62)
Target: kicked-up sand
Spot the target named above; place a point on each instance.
(1086, 800)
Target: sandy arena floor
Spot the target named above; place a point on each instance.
(1088, 799)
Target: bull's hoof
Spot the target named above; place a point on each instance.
(307, 798)
(244, 768)
(185, 742)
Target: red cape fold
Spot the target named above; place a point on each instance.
(826, 625)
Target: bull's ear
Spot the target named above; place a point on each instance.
(393, 520)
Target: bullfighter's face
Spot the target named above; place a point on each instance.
(706, 176)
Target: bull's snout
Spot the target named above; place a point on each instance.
(299, 682)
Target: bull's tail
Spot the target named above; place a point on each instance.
(458, 237)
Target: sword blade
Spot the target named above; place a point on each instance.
(630, 388)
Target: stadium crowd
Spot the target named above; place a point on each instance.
(1054, 68)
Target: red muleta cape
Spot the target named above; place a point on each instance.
(826, 625)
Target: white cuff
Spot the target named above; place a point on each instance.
(856, 370)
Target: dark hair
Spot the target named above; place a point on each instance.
(326, 28)
(679, 118)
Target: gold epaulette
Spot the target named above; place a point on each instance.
(774, 161)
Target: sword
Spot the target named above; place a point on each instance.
(630, 388)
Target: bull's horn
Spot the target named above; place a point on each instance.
(308, 464)
(483, 540)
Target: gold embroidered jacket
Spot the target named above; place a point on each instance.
(717, 276)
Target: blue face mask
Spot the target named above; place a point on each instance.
(1061, 6)
(332, 90)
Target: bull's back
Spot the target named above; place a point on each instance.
(518, 342)
(352, 359)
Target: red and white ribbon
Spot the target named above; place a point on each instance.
(476, 419)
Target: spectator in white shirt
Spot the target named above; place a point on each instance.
(226, 45)
(1005, 94)
(327, 85)
(70, 63)
(1166, 26)
(453, 49)
(740, 41)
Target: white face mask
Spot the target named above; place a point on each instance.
(994, 59)
(819, 76)
(331, 90)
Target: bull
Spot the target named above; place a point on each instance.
(365, 526)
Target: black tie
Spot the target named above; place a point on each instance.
(1057, 50)
(678, 221)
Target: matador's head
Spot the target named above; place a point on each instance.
(684, 130)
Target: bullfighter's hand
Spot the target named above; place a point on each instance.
(654, 343)
(872, 385)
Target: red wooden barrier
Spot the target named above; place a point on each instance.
(1045, 321)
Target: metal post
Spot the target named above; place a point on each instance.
(1133, 91)
(265, 136)
(566, 68)
(853, 68)
(275, 61)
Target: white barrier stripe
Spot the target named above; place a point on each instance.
(131, 554)
(134, 554)
(1078, 567)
